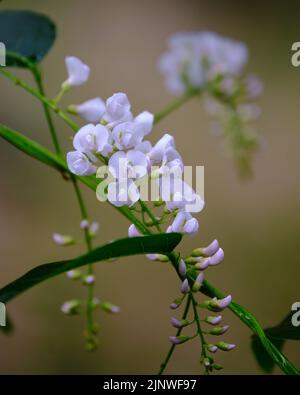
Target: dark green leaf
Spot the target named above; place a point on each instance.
(161, 243)
(264, 359)
(9, 328)
(285, 330)
(27, 34)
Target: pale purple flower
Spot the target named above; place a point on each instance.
(118, 109)
(78, 72)
(79, 164)
(216, 258)
(91, 110)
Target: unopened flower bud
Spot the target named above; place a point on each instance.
(185, 287)
(176, 303)
(219, 330)
(62, 240)
(198, 282)
(212, 348)
(110, 308)
(211, 249)
(157, 257)
(71, 307)
(84, 224)
(220, 304)
(178, 339)
(94, 228)
(213, 320)
(179, 323)
(89, 279)
(133, 232)
(182, 268)
(225, 346)
(203, 264)
(74, 274)
(216, 258)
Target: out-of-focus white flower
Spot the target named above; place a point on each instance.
(78, 72)
(254, 86)
(197, 57)
(123, 193)
(91, 110)
(79, 164)
(92, 139)
(145, 119)
(127, 135)
(131, 164)
(118, 109)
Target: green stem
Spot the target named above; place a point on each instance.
(174, 105)
(199, 330)
(40, 97)
(84, 216)
(88, 241)
(170, 353)
(38, 79)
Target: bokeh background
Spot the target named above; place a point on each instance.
(257, 222)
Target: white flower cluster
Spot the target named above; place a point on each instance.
(194, 58)
(117, 138)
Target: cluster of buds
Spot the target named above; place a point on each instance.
(191, 270)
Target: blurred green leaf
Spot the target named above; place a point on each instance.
(285, 330)
(161, 243)
(26, 34)
(264, 360)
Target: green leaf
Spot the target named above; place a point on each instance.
(285, 330)
(9, 328)
(26, 34)
(266, 363)
(161, 243)
(32, 148)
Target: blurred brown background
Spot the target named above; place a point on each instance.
(257, 222)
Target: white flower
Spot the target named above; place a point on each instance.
(117, 109)
(131, 164)
(183, 197)
(127, 135)
(160, 148)
(78, 72)
(93, 139)
(91, 110)
(145, 119)
(79, 164)
(123, 193)
(184, 223)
